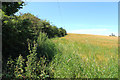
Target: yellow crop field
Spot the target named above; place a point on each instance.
(86, 56)
(107, 41)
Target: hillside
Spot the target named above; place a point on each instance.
(86, 56)
(99, 40)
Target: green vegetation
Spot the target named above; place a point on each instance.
(84, 60)
(12, 7)
(17, 30)
(33, 67)
(35, 49)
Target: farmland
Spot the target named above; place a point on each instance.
(34, 48)
(85, 56)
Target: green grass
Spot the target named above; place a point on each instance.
(81, 56)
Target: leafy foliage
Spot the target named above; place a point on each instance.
(11, 7)
(32, 68)
(31, 63)
(26, 44)
(18, 29)
(39, 25)
(8, 71)
(15, 34)
(19, 67)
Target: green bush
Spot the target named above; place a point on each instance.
(45, 46)
(8, 71)
(32, 68)
(15, 33)
(18, 29)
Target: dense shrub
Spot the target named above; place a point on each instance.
(33, 68)
(15, 33)
(39, 25)
(18, 29)
(20, 59)
(45, 46)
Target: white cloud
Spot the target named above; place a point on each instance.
(93, 31)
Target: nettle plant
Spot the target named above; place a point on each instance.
(35, 67)
(19, 68)
(31, 63)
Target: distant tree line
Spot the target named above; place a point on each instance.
(112, 34)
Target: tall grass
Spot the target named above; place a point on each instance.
(83, 58)
(72, 56)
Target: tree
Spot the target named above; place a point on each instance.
(36, 23)
(62, 32)
(13, 28)
(12, 7)
(56, 31)
(15, 33)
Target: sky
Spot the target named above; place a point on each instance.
(98, 18)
